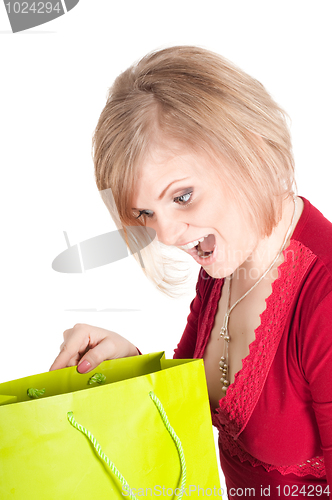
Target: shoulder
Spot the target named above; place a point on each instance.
(312, 240)
(314, 232)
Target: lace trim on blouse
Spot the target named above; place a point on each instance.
(236, 407)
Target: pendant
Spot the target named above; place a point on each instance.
(223, 363)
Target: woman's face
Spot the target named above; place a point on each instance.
(181, 197)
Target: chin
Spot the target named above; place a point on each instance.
(219, 271)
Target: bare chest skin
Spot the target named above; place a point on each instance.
(243, 321)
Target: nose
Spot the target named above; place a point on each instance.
(169, 230)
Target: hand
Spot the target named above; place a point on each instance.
(87, 346)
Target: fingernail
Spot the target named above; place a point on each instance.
(84, 367)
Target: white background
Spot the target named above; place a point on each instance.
(54, 80)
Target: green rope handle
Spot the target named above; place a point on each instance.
(111, 464)
(100, 452)
(98, 378)
(175, 439)
(35, 393)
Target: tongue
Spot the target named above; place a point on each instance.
(207, 245)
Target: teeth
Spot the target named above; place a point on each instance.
(192, 244)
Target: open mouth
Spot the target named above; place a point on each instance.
(204, 249)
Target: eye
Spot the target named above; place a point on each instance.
(146, 213)
(184, 199)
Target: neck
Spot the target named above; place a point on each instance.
(267, 248)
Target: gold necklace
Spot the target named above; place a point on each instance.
(224, 334)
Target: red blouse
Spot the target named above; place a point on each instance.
(275, 422)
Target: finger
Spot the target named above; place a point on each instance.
(72, 349)
(72, 362)
(61, 361)
(102, 351)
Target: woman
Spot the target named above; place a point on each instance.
(197, 150)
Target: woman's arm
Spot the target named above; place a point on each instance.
(186, 347)
(317, 364)
(87, 346)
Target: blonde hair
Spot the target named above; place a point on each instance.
(213, 107)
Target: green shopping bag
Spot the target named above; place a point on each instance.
(135, 427)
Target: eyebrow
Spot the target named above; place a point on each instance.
(162, 194)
